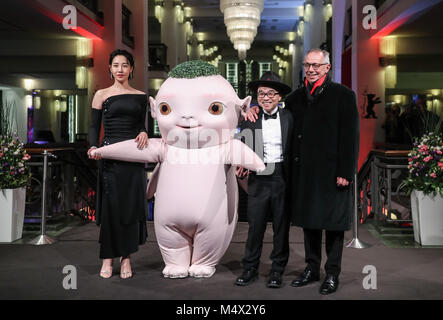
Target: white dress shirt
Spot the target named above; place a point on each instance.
(272, 139)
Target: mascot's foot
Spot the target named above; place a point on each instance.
(175, 272)
(199, 271)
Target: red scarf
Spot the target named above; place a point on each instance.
(317, 83)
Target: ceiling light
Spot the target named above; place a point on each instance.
(241, 18)
(28, 84)
(29, 101)
(159, 11)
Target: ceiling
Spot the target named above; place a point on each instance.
(277, 16)
(278, 20)
(21, 19)
(420, 26)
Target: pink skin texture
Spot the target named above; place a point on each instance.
(196, 192)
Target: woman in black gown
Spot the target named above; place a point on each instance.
(121, 204)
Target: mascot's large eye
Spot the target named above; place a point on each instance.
(164, 108)
(216, 108)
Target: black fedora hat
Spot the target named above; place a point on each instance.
(272, 80)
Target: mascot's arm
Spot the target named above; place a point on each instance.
(239, 154)
(128, 151)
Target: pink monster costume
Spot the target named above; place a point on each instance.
(196, 189)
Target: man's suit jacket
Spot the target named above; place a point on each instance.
(325, 145)
(251, 134)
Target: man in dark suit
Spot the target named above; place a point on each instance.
(326, 139)
(270, 137)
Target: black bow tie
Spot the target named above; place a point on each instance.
(270, 116)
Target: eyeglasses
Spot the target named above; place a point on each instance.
(270, 94)
(315, 66)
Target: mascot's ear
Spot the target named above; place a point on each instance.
(244, 105)
(153, 104)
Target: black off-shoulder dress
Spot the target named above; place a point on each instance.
(122, 207)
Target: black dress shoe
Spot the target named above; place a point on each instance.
(305, 278)
(247, 277)
(330, 284)
(274, 280)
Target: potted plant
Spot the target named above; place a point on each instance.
(425, 186)
(14, 176)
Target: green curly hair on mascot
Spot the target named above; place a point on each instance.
(193, 69)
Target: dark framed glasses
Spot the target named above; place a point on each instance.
(315, 66)
(270, 94)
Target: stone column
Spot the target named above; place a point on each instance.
(315, 25)
(182, 54)
(338, 23)
(366, 74)
(288, 73)
(169, 30)
(140, 14)
(298, 58)
(195, 54)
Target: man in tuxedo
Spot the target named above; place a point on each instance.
(270, 137)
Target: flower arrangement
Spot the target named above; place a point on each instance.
(14, 173)
(426, 165)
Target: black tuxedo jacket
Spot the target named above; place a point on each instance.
(251, 134)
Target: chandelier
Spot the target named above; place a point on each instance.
(242, 18)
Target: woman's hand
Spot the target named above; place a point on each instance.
(142, 140)
(93, 156)
(252, 114)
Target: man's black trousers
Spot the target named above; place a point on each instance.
(269, 200)
(334, 250)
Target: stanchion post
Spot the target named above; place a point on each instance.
(356, 242)
(43, 239)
